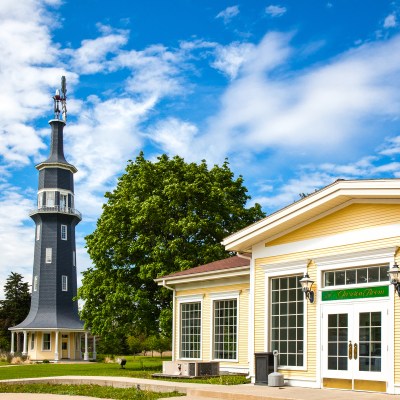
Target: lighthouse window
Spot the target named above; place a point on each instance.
(35, 283)
(64, 283)
(38, 232)
(50, 199)
(46, 342)
(63, 232)
(49, 254)
(63, 201)
(74, 258)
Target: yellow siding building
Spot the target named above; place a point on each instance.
(344, 238)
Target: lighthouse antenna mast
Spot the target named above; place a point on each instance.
(60, 101)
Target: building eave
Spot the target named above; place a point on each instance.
(210, 275)
(309, 208)
(68, 167)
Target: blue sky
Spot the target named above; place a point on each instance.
(295, 93)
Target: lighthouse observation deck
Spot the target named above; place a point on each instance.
(56, 209)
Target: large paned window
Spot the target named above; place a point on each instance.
(287, 320)
(357, 276)
(190, 330)
(225, 329)
(46, 345)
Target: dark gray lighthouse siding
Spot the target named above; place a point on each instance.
(56, 178)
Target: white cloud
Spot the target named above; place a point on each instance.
(155, 71)
(327, 106)
(391, 147)
(16, 234)
(390, 21)
(275, 10)
(228, 14)
(91, 57)
(25, 78)
(105, 136)
(175, 137)
(228, 59)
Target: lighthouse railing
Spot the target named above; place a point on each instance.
(58, 209)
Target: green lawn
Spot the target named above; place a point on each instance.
(138, 367)
(135, 369)
(105, 392)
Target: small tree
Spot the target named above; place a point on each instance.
(15, 307)
(135, 344)
(163, 344)
(151, 343)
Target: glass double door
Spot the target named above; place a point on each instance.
(355, 346)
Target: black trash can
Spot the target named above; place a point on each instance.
(264, 366)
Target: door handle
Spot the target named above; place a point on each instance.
(355, 351)
(350, 350)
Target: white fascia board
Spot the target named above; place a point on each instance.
(220, 274)
(331, 196)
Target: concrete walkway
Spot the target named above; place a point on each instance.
(196, 391)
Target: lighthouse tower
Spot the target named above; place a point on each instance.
(52, 330)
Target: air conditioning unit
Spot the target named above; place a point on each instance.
(207, 369)
(186, 368)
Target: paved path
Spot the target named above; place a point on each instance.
(197, 391)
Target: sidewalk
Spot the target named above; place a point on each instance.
(196, 390)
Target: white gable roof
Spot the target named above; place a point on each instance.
(318, 204)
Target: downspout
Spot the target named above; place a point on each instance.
(173, 317)
(250, 341)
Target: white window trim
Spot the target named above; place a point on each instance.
(353, 260)
(232, 295)
(35, 283)
(32, 345)
(196, 298)
(38, 231)
(64, 237)
(45, 333)
(267, 279)
(49, 255)
(74, 258)
(64, 283)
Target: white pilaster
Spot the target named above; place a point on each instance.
(12, 343)
(25, 347)
(56, 347)
(86, 355)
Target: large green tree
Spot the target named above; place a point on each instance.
(164, 216)
(15, 307)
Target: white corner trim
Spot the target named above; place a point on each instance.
(190, 298)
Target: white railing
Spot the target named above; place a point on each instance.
(59, 209)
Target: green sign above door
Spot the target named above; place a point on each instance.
(357, 293)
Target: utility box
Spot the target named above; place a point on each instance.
(264, 363)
